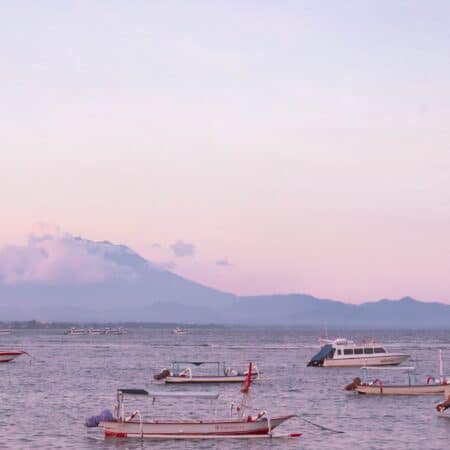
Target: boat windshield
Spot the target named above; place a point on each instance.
(326, 352)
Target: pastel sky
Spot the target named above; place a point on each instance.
(253, 146)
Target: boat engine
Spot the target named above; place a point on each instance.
(161, 375)
(104, 416)
(441, 407)
(351, 387)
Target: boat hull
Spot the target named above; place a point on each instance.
(205, 379)
(386, 360)
(419, 389)
(197, 429)
(7, 356)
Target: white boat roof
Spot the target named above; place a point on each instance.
(186, 394)
(170, 394)
(197, 363)
(349, 342)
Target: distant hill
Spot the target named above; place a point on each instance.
(89, 281)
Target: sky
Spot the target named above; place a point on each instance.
(257, 147)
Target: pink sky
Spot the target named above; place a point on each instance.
(307, 146)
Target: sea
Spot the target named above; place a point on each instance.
(46, 397)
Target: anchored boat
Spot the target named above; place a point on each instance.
(378, 387)
(241, 426)
(118, 331)
(76, 331)
(179, 330)
(343, 352)
(179, 374)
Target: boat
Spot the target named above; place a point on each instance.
(224, 374)
(179, 330)
(76, 331)
(5, 331)
(240, 424)
(95, 331)
(119, 330)
(432, 386)
(7, 355)
(344, 352)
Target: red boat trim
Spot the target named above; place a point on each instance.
(225, 433)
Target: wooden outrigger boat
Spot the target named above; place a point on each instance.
(225, 374)
(433, 386)
(135, 426)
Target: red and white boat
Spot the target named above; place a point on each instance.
(241, 426)
(8, 355)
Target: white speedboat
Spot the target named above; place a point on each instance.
(343, 352)
(181, 375)
(242, 425)
(5, 331)
(7, 355)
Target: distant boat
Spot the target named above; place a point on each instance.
(119, 330)
(5, 331)
(8, 355)
(95, 331)
(180, 375)
(179, 330)
(76, 331)
(343, 352)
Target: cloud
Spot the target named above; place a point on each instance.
(223, 263)
(181, 249)
(51, 256)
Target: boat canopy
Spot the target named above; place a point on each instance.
(157, 394)
(325, 352)
(197, 363)
(176, 365)
(132, 391)
(186, 394)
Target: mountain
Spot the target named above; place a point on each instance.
(59, 277)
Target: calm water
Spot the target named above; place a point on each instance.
(45, 400)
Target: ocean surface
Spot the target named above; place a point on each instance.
(45, 399)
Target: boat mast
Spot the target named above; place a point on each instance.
(441, 367)
(246, 390)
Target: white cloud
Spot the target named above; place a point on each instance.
(53, 256)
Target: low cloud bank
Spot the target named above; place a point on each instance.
(53, 256)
